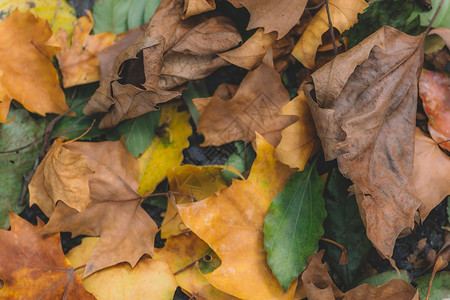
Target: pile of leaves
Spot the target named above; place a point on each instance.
(239, 149)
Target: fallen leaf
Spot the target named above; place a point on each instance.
(365, 115)
(296, 214)
(169, 54)
(196, 7)
(343, 14)
(434, 90)
(14, 166)
(165, 151)
(431, 173)
(441, 19)
(33, 266)
(299, 141)
(231, 223)
(199, 182)
(149, 279)
(27, 74)
(444, 33)
(393, 289)
(79, 63)
(440, 288)
(254, 107)
(126, 231)
(274, 15)
(385, 277)
(181, 252)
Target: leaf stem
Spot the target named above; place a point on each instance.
(331, 28)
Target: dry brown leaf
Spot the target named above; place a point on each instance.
(254, 107)
(365, 115)
(79, 63)
(170, 53)
(274, 15)
(196, 7)
(393, 289)
(126, 231)
(431, 173)
(27, 75)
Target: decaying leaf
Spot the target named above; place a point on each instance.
(33, 266)
(196, 7)
(165, 151)
(126, 231)
(444, 33)
(231, 222)
(365, 115)
(254, 107)
(343, 14)
(26, 70)
(170, 53)
(431, 173)
(182, 251)
(299, 141)
(79, 63)
(274, 15)
(149, 279)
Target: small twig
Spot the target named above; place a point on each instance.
(170, 192)
(315, 7)
(56, 13)
(434, 18)
(80, 267)
(23, 147)
(207, 258)
(331, 28)
(443, 142)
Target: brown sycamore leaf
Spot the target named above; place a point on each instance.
(231, 223)
(299, 141)
(365, 115)
(126, 231)
(274, 15)
(79, 63)
(431, 173)
(170, 53)
(254, 107)
(196, 7)
(33, 266)
(343, 14)
(27, 75)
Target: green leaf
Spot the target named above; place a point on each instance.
(440, 288)
(384, 277)
(442, 18)
(209, 262)
(195, 90)
(136, 13)
(448, 208)
(111, 15)
(138, 132)
(394, 13)
(293, 225)
(150, 8)
(13, 166)
(237, 160)
(344, 225)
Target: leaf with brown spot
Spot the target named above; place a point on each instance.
(254, 107)
(126, 231)
(365, 117)
(196, 7)
(170, 53)
(79, 63)
(231, 222)
(27, 75)
(33, 266)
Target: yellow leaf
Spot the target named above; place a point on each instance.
(58, 13)
(298, 141)
(149, 279)
(197, 181)
(343, 14)
(79, 64)
(196, 7)
(165, 151)
(231, 223)
(26, 70)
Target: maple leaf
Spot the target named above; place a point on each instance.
(170, 53)
(26, 70)
(231, 223)
(299, 141)
(79, 63)
(196, 7)
(431, 173)
(149, 279)
(33, 266)
(126, 231)
(365, 116)
(343, 14)
(254, 107)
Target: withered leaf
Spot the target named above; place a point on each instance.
(365, 117)
(33, 266)
(170, 53)
(196, 7)
(254, 107)
(126, 231)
